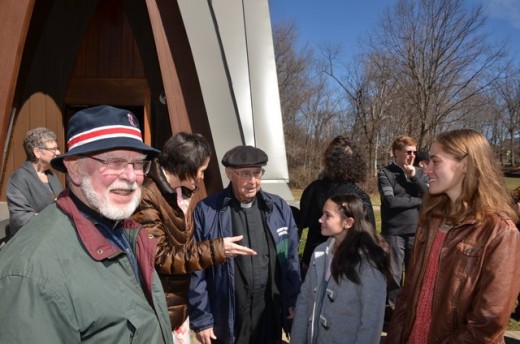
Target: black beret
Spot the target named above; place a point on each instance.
(244, 156)
(421, 155)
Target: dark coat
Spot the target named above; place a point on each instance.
(401, 199)
(27, 195)
(212, 293)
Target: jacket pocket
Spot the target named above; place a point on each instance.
(471, 257)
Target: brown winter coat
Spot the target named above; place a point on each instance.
(477, 283)
(177, 254)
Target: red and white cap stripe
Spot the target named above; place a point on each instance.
(101, 133)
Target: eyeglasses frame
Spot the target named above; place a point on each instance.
(52, 150)
(248, 175)
(105, 162)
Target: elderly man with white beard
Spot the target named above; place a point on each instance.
(83, 272)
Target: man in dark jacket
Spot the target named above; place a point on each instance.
(248, 299)
(401, 187)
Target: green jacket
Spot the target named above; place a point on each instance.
(61, 281)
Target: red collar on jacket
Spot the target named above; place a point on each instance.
(100, 248)
(96, 244)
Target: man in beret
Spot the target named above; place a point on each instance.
(82, 271)
(248, 299)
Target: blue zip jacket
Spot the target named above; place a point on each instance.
(212, 291)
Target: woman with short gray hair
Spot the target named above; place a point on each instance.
(33, 186)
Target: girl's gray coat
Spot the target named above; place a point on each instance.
(347, 312)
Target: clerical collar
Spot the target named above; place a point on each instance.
(247, 205)
(90, 213)
(236, 204)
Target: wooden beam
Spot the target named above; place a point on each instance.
(147, 114)
(130, 92)
(172, 87)
(15, 18)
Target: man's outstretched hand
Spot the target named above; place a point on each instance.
(232, 249)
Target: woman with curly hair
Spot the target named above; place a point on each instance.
(463, 278)
(343, 167)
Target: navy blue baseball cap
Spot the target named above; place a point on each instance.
(102, 128)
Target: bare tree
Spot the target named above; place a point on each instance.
(438, 55)
(428, 67)
(292, 69)
(293, 77)
(506, 102)
(369, 92)
(310, 109)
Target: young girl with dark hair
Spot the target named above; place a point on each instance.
(342, 299)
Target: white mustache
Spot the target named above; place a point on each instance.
(120, 185)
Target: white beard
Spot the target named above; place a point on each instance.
(102, 204)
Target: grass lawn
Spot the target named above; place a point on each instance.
(512, 183)
(513, 325)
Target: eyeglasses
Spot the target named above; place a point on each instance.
(118, 165)
(52, 150)
(246, 175)
(410, 152)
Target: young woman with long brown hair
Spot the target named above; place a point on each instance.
(464, 277)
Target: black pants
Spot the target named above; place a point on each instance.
(401, 250)
(258, 322)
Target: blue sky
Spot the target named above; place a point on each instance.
(344, 22)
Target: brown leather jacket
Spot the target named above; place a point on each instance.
(477, 283)
(177, 254)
